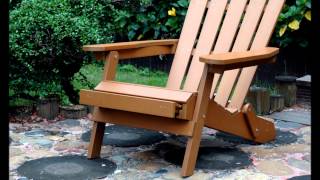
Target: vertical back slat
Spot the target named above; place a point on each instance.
(249, 24)
(228, 31)
(225, 38)
(208, 34)
(187, 38)
(261, 39)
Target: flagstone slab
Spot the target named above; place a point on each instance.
(123, 136)
(282, 137)
(301, 117)
(66, 167)
(274, 168)
(216, 158)
(305, 177)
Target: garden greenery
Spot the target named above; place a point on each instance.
(46, 36)
(45, 43)
(293, 25)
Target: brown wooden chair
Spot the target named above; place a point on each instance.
(224, 54)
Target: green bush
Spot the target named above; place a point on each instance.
(158, 19)
(45, 44)
(293, 26)
(153, 19)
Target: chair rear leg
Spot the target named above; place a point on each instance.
(97, 133)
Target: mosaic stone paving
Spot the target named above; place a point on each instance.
(123, 136)
(160, 160)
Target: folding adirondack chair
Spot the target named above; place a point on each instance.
(225, 40)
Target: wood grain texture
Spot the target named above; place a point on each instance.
(208, 34)
(199, 118)
(96, 138)
(110, 65)
(236, 123)
(228, 31)
(144, 91)
(261, 39)
(138, 120)
(125, 54)
(247, 29)
(221, 59)
(128, 103)
(129, 45)
(187, 39)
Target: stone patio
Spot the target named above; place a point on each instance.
(219, 158)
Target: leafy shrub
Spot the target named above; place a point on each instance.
(45, 44)
(153, 19)
(157, 19)
(293, 26)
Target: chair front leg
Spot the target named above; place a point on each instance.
(199, 117)
(97, 134)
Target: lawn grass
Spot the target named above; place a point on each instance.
(90, 75)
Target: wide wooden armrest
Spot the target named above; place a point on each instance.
(129, 45)
(233, 60)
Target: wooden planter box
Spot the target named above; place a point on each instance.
(73, 112)
(286, 86)
(276, 102)
(260, 99)
(48, 107)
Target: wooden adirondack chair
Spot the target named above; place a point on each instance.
(224, 54)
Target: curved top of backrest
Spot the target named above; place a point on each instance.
(222, 26)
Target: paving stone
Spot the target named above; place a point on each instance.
(41, 142)
(307, 158)
(212, 158)
(69, 122)
(15, 152)
(306, 139)
(288, 125)
(67, 168)
(65, 145)
(152, 166)
(15, 161)
(161, 171)
(15, 137)
(293, 148)
(123, 136)
(118, 159)
(38, 153)
(22, 178)
(244, 174)
(36, 133)
(282, 137)
(262, 152)
(302, 117)
(300, 164)
(196, 176)
(56, 138)
(305, 177)
(145, 155)
(274, 168)
(206, 141)
(304, 131)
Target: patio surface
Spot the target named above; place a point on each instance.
(219, 158)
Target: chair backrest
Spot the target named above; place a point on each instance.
(222, 26)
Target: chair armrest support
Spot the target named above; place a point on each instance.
(134, 49)
(233, 60)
